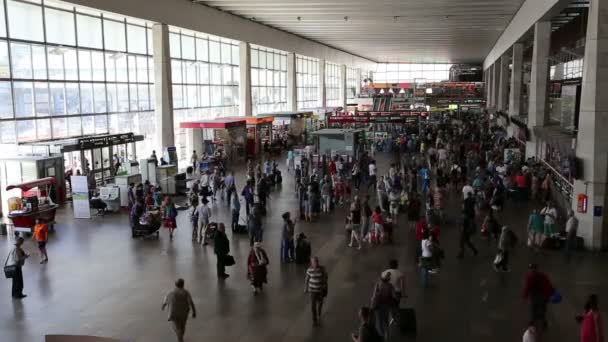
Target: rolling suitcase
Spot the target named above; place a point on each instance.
(407, 321)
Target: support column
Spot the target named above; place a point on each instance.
(503, 84)
(246, 104)
(495, 84)
(592, 140)
(343, 96)
(488, 83)
(359, 80)
(292, 92)
(539, 82)
(322, 92)
(163, 89)
(517, 62)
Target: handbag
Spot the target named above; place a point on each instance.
(229, 260)
(9, 270)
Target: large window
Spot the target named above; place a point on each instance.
(352, 82)
(67, 72)
(205, 77)
(405, 72)
(307, 82)
(332, 84)
(268, 80)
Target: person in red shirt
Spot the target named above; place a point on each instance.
(522, 185)
(332, 167)
(538, 289)
(378, 224)
(421, 227)
(41, 235)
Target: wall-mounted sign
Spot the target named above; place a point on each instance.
(106, 140)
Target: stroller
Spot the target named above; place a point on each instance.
(146, 227)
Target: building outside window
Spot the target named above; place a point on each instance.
(407, 72)
(268, 80)
(205, 79)
(332, 84)
(307, 82)
(69, 71)
(352, 82)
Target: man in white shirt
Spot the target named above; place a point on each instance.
(204, 214)
(501, 169)
(397, 279)
(466, 189)
(372, 174)
(550, 214)
(571, 232)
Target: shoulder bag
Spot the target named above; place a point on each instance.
(9, 270)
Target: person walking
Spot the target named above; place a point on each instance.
(204, 215)
(179, 302)
(221, 248)
(287, 241)
(468, 229)
(383, 303)
(41, 235)
(254, 227)
(538, 289)
(236, 209)
(591, 321)
(17, 257)
(257, 270)
(169, 215)
(535, 229)
(571, 233)
(248, 195)
(316, 284)
(550, 214)
(504, 244)
(366, 219)
(194, 161)
(397, 279)
(229, 186)
(355, 221)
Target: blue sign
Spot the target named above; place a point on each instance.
(597, 210)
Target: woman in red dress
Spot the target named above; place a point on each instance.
(591, 322)
(256, 267)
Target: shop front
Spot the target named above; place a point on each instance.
(216, 139)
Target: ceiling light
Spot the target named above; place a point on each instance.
(402, 91)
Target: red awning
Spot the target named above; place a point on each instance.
(218, 124)
(33, 184)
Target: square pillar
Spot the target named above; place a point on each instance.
(489, 84)
(322, 91)
(163, 89)
(517, 62)
(359, 81)
(592, 140)
(495, 84)
(503, 84)
(246, 104)
(292, 92)
(343, 96)
(539, 82)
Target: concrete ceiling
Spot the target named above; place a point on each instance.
(456, 31)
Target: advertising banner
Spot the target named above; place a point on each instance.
(80, 197)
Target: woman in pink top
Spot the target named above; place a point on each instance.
(591, 323)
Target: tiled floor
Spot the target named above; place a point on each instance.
(100, 281)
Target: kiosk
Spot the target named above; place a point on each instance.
(259, 133)
(292, 125)
(331, 141)
(34, 202)
(224, 136)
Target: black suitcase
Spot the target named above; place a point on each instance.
(407, 321)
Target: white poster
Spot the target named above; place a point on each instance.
(80, 197)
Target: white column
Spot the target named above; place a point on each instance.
(322, 92)
(495, 84)
(245, 102)
(491, 89)
(592, 140)
(517, 62)
(539, 82)
(503, 84)
(292, 91)
(488, 82)
(343, 96)
(359, 80)
(163, 90)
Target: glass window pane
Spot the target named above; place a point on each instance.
(133, 97)
(89, 31)
(114, 35)
(88, 125)
(121, 67)
(174, 45)
(72, 96)
(150, 70)
(216, 96)
(84, 61)
(190, 72)
(60, 128)
(74, 126)
(177, 96)
(205, 101)
(216, 74)
(188, 47)
(57, 99)
(202, 49)
(5, 70)
(227, 75)
(41, 93)
(26, 130)
(203, 73)
(142, 69)
(176, 71)
(24, 99)
(122, 96)
(150, 41)
(59, 27)
(226, 53)
(136, 39)
(43, 127)
(101, 124)
(235, 55)
(6, 101)
(7, 132)
(71, 65)
(132, 69)
(143, 98)
(25, 21)
(112, 98)
(98, 66)
(21, 60)
(99, 93)
(214, 51)
(255, 58)
(86, 98)
(2, 20)
(39, 61)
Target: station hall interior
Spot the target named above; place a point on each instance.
(101, 97)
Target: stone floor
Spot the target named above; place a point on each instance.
(100, 281)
